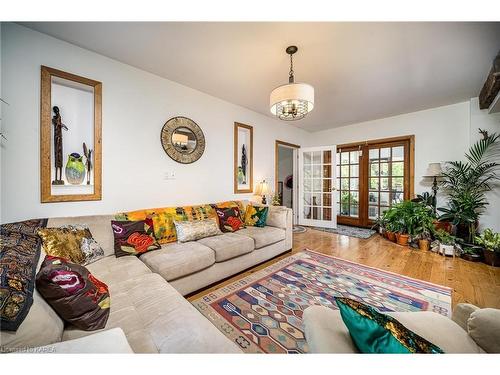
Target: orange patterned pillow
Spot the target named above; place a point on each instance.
(163, 218)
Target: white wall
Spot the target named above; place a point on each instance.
(136, 104)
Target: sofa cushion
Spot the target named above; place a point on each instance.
(326, 333)
(99, 226)
(112, 270)
(263, 236)
(277, 217)
(179, 259)
(484, 327)
(103, 342)
(228, 245)
(156, 318)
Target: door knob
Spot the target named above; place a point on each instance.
(334, 189)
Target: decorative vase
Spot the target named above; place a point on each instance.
(75, 169)
(424, 244)
(403, 239)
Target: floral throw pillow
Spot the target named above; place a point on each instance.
(256, 216)
(74, 293)
(230, 219)
(133, 237)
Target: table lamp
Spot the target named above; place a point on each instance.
(434, 171)
(262, 189)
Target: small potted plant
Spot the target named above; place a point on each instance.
(446, 242)
(491, 245)
(424, 221)
(390, 231)
(380, 225)
(471, 253)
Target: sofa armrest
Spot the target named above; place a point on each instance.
(461, 314)
(282, 217)
(109, 341)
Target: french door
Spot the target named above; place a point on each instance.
(371, 177)
(317, 192)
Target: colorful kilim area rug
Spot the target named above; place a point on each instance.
(263, 312)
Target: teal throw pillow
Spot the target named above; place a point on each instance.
(374, 332)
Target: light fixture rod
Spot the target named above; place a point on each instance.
(291, 50)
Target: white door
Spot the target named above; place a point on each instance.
(317, 192)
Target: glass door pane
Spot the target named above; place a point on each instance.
(317, 187)
(348, 183)
(386, 178)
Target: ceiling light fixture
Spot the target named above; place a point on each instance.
(292, 101)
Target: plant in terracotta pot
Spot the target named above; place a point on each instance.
(491, 245)
(391, 224)
(424, 225)
(446, 242)
(406, 223)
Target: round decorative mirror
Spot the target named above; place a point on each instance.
(183, 140)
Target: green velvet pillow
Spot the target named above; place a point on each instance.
(256, 216)
(373, 332)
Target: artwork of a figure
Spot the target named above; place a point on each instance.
(244, 164)
(58, 145)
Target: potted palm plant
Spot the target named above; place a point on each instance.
(467, 182)
(491, 244)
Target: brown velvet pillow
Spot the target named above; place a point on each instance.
(133, 237)
(74, 293)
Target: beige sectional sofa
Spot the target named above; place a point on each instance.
(147, 302)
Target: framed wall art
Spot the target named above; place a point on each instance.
(243, 158)
(70, 137)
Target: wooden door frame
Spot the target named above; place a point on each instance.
(363, 170)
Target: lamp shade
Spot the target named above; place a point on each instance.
(434, 170)
(292, 101)
(262, 188)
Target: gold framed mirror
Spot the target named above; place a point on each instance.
(183, 140)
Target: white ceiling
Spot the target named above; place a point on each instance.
(360, 71)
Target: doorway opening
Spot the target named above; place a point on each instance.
(285, 169)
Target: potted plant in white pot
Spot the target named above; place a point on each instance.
(446, 242)
(491, 245)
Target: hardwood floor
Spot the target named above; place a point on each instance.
(474, 283)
